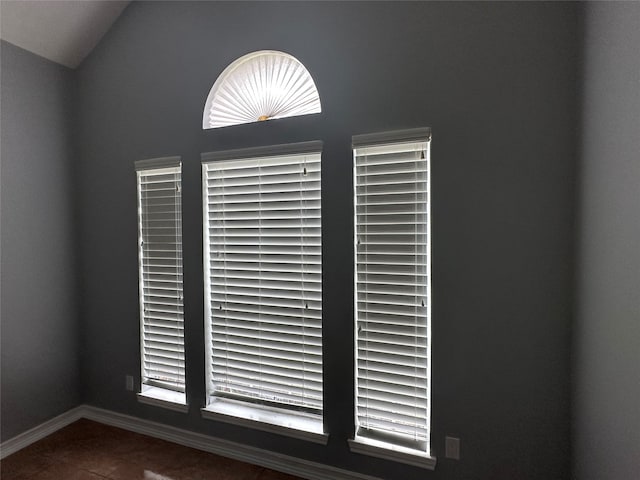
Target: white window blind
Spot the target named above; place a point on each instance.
(160, 258)
(264, 279)
(260, 86)
(392, 284)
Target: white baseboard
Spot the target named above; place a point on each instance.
(37, 433)
(237, 451)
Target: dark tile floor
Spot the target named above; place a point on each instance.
(87, 450)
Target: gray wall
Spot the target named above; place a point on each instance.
(495, 81)
(607, 338)
(40, 377)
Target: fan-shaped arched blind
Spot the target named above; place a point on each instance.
(260, 86)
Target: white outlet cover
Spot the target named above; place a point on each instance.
(129, 382)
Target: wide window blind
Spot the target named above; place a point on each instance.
(264, 279)
(160, 257)
(392, 287)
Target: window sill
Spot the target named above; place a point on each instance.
(389, 451)
(160, 397)
(269, 419)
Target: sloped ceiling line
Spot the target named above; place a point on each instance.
(62, 31)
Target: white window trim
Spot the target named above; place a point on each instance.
(149, 394)
(366, 445)
(389, 451)
(260, 417)
(273, 420)
(161, 397)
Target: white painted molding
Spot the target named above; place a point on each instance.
(172, 400)
(37, 433)
(392, 452)
(225, 448)
(303, 427)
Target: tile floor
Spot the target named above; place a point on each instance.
(87, 450)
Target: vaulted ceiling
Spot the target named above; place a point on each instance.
(62, 31)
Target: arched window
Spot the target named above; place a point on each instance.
(260, 86)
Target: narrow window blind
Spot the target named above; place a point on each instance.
(160, 257)
(392, 287)
(264, 285)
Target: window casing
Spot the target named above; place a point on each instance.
(160, 282)
(263, 281)
(392, 295)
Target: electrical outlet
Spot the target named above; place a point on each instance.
(129, 382)
(452, 448)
